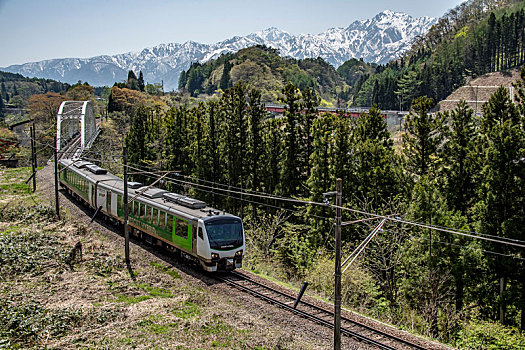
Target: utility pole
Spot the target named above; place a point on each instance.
(126, 228)
(33, 154)
(57, 206)
(337, 287)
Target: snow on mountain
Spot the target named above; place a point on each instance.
(378, 39)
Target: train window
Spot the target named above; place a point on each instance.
(182, 228)
(201, 236)
(162, 219)
(141, 211)
(108, 202)
(148, 214)
(169, 224)
(119, 202)
(135, 209)
(155, 216)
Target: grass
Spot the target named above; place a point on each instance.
(187, 310)
(165, 269)
(146, 292)
(98, 303)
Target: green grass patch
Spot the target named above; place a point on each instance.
(28, 214)
(165, 269)
(150, 292)
(218, 327)
(25, 323)
(129, 299)
(16, 188)
(151, 324)
(187, 310)
(29, 252)
(158, 292)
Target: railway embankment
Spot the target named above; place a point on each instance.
(64, 285)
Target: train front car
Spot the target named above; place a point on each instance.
(221, 242)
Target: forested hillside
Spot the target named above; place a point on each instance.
(15, 88)
(262, 68)
(476, 37)
(452, 170)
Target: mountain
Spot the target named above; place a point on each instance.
(474, 38)
(262, 67)
(376, 40)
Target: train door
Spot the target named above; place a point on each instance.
(91, 194)
(194, 225)
(201, 242)
(101, 198)
(114, 199)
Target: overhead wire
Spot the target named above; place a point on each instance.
(489, 238)
(176, 182)
(470, 248)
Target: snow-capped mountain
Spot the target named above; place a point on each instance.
(379, 39)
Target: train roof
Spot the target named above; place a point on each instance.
(150, 195)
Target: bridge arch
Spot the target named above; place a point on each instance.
(76, 117)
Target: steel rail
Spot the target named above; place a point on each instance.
(317, 319)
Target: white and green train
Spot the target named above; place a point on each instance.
(184, 225)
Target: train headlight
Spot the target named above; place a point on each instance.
(238, 254)
(214, 256)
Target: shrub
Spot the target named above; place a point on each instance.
(490, 336)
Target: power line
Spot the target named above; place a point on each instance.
(471, 248)
(489, 238)
(174, 181)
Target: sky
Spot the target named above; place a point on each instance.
(35, 30)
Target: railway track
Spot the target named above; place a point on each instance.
(351, 328)
(70, 150)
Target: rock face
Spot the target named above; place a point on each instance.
(379, 39)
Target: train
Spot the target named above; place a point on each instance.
(186, 226)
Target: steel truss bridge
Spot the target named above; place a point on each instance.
(76, 122)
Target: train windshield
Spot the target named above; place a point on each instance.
(224, 233)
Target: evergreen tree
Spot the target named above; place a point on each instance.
(502, 187)
(2, 106)
(212, 133)
(4, 93)
(291, 174)
(176, 150)
(225, 78)
(321, 178)
(182, 80)
(132, 82)
(140, 82)
(233, 142)
(407, 87)
(272, 136)
(423, 138)
(460, 172)
(256, 113)
(138, 139)
(194, 81)
(310, 103)
(374, 170)
(459, 157)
